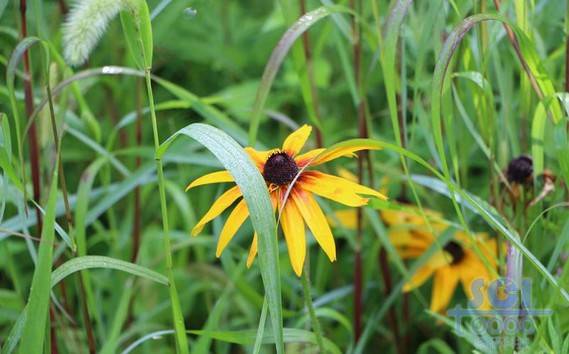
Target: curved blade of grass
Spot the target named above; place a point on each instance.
(89, 262)
(33, 333)
(245, 337)
(275, 61)
(256, 195)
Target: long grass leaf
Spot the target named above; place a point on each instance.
(256, 195)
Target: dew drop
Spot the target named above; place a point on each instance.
(190, 12)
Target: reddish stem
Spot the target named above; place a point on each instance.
(136, 228)
(362, 130)
(310, 73)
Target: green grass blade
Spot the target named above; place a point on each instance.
(33, 334)
(275, 61)
(90, 262)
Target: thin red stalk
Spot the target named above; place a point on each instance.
(52, 333)
(137, 219)
(137, 210)
(32, 133)
(310, 73)
(87, 318)
(62, 7)
(567, 61)
(358, 276)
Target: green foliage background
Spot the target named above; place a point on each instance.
(208, 61)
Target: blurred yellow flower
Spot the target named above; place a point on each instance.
(282, 168)
(455, 262)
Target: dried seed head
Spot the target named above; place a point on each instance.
(520, 169)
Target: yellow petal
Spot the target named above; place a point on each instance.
(446, 279)
(296, 140)
(337, 188)
(293, 229)
(252, 251)
(308, 158)
(222, 203)
(346, 174)
(259, 157)
(413, 217)
(253, 248)
(233, 223)
(346, 151)
(316, 221)
(214, 177)
(404, 237)
(437, 261)
(418, 278)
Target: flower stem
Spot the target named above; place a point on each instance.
(310, 306)
(179, 327)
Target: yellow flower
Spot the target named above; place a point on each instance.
(455, 262)
(282, 168)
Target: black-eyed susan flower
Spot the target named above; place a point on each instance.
(292, 184)
(455, 262)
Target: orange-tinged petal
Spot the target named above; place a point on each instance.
(233, 223)
(337, 188)
(316, 221)
(252, 251)
(222, 203)
(293, 229)
(308, 158)
(446, 280)
(296, 140)
(214, 177)
(342, 151)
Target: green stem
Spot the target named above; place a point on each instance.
(179, 327)
(310, 306)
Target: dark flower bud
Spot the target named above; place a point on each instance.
(520, 169)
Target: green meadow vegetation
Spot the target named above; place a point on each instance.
(286, 176)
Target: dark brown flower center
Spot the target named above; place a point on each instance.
(280, 169)
(455, 250)
(520, 169)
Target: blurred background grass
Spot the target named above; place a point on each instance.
(217, 51)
